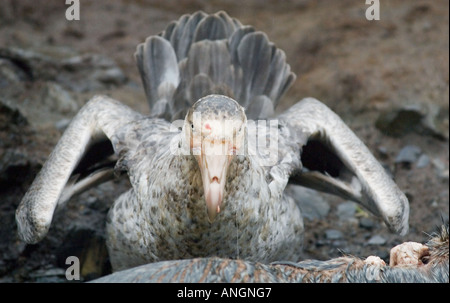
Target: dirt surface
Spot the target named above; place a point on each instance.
(388, 80)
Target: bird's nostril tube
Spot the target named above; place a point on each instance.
(215, 179)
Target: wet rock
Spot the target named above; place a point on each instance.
(10, 73)
(423, 161)
(15, 168)
(57, 99)
(408, 154)
(310, 202)
(10, 114)
(383, 151)
(366, 223)
(429, 120)
(51, 275)
(74, 71)
(33, 63)
(441, 169)
(90, 72)
(377, 240)
(62, 124)
(346, 211)
(333, 234)
(398, 122)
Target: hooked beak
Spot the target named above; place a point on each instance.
(213, 167)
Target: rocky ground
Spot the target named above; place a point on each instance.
(388, 79)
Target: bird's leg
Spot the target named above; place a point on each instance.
(100, 116)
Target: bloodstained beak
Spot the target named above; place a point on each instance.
(214, 166)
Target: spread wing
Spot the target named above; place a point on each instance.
(326, 155)
(102, 132)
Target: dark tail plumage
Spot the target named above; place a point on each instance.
(201, 54)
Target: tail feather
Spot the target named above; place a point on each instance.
(201, 54)
(211, 28)
(158, 67)
(254, 55)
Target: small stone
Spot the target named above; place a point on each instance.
(423, 161)
(377, 240)
(434, 204)
(346, 211)
(51, 275)
(333, 234)
(397, 122)
(310, 202)
(419, 117)
(366, 223)
(58, 99)
(408, 154)
(383, 151)
(441, 169)
(62, 124)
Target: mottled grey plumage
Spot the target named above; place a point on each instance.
(433, 267)
(164, 216)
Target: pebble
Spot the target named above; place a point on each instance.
(333, 234)
(346, 211)
(366, 223)
(441, 169)
(408, 154)
(377, 240)
(51, 275)
(419, 117)
(62, 124)
(423, 161)
(311, 203)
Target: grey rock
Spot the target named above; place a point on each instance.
(58, 99)
(74, 71)
(346, 211)
(51, 275)
(366, 223)
(10, 73)
(408, 154)
(13, 164)
(62, 124)
(420, 117)
(423, 161)
(441, 169)
(10, 114)
(311, 203)
(377, 240)
(383, 151)
(110, 76)
(397, 122)
(333, 234)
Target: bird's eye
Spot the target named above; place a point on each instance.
(192, 125)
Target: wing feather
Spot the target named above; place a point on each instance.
(357, 174)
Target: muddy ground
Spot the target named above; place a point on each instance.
(388, 80)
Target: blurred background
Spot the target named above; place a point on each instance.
(387, 79)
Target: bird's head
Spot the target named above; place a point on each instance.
(214, 128)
